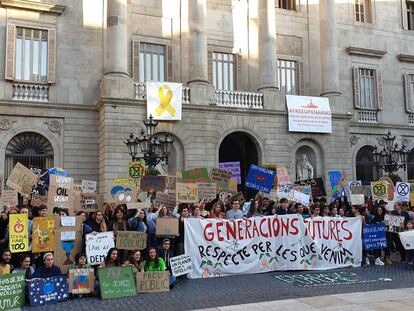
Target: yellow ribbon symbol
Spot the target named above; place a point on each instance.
(165, 101)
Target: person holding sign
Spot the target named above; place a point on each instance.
(112, 259)
(48, 269)
(398, 211)
(135, 261)
(154, 263)
(139, 222)
(97, 222)
(379, 219)
(5, 266)
(24, 260)
(80, 262)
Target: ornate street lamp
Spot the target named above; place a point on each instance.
(391, 157)
(153, 148)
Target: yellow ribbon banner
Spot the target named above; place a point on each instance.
(19, 233)
(165, 101)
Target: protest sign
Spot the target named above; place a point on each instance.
(195, 175)
(335, 178)
(97, 246)
(301, 197)
(131, 240)
(22, 179)
(234, 168)
(282, 175)
(116, 282)
(38, 200)
(402, 192)
(232, 185)
(374, 237)
(207, 191)
(167, 226)
(285, 191)
(170, 182)
(43, 180)
(355, 183)
(272, 167)
(291, 244)
(412, 194)
(47, 291)
(68, 223)
(136, 169)
(88, 202)
(140, 205)
(221, 178)
(81, 281)
(12, 288)
(260, 178)
(394, 223)
(357, 199)
(18, 233)
(317, 186)
(239, 196)
(187, 192)
(357, 190)
(164, 100)
(60, 192)
(123, 191)
(43, 234)
(181, 265)
(151, 282)
(379, 190)
(168, 199)
(390, 187)
(9, 198)
(88, 186)
(407, 239)
(67, 245)
(152, 183)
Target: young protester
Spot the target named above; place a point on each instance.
(234, 212)
(135, 261)
(80, 262)
(283, 207)
(48, 269)
(253, 211)
(97, 222)
(24, 261)
(112, 259)
(409, 254)
(5, 266)
(398, 211)
(334, 212)
(203, 212)
(139, 222)
(217, 211)
(315, 211)
(196, 212)
(86, 228)
(154, 263)
(164, 252)
(180, 240)
(341, 212)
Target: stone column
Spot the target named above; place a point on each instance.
(329, 54)
(267, 53)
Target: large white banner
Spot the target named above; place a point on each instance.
(262, 244)
(164, 100)
(309, 114)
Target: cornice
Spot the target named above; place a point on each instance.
(406, 58)
(352, 50)
(55, 9)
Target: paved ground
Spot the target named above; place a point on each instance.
(258, 288)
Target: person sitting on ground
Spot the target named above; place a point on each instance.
(112, 259)
(48, 269)
(154, 263)
(5, 266)
(24, 260)
(80, 262)
(135, 261)
(164, 252)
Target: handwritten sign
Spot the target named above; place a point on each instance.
(88, 202)
(12, 288)
(131, 240)
(221, 178)
(167, 226)
(207, 191)
(357, 199)
(81, 281)
(18, 233)
(181, 265)
(22, 179)
(234, 168)
(43, 235)
(374, 237)
(317, 186)
(407, 239)
(9, 198)
(150, 282)
(187, 192)
(116, 282)
(168, 199)
(38, 200)
(153, 183)
(60, 192)
(394, 223)
(260, 178)
(88, 186)
(97, 246)
(123, 190)
(139, 205)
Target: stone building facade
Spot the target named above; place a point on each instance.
(72, 88)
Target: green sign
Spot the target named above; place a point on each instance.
(116, 282)
(196, 175)
(12, 287)
(136, 169)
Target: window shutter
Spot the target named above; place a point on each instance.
(378, 80)
(51, 56)
(170, 75)
(355, 77)
(301, 79)
(135, 60)
(407, 91)
(239, 72)
(210, 66)
(404, 14)
(10, 51)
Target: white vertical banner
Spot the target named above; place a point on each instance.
(164, 100)
(402, 192)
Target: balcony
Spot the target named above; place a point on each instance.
(31, 92)
(367, 116)
(237, 99)
(141, 92)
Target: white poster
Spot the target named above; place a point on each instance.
(98, 245)
(309, 114)
(407, 239)
(164, 100)
(301, 197)
(262, 244)
(181, 265)
(88, 186)
(402, 192)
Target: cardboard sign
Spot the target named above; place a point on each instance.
(123, 191)
(357, 190)
(285, 191)
(412, 194)
(151, 282)
(116, 282)
(139, 205)
(260, 178)
(9, 198)
(48, 291)
(131, 240)
(169, 199)
(221, 178)
(394, 223)
(233, 185)
(43, 234)
(68, 223)
(282, 175)
(402, 192)
(22, 179)
(187, 192)
(12, 289)
(239, 197)
(67, 245)
(170, 182)
(234, 168)
(88, 186)
(18, 233)
(357, 199)
(407, 239)
(374, 237)
(195, 175)
(181, 265)
(317, 186)
(60, 192)
(167, 226)
(88, 202)
(207, 191)
(379, 190)
(153, 183)
(38, 200)
(81, 281)
(98, 245)
(136, 169)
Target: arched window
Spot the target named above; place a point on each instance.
(30, 149)
(410, 166)
(366, 171)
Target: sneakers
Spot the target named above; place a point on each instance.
(387, 261)
(367, 262)
(378, 262)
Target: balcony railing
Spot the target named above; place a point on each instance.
(239, 99)
(411, 119)
(367, 116)
(30, 92)
(141, 92)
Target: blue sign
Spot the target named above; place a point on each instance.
(374, 237)
(49, 290)
(260, 178)
(335, 178)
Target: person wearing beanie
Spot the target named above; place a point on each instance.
(48, 269)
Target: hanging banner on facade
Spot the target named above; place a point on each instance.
(402, 192)
(43, 235)
(18, 233)
(164, 100)
(262, 244)
(260, 178)
(309, 114)
(234, 168)
(22, 179)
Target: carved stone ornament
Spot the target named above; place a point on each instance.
(6, 124)
(54, 126)
(354, 140)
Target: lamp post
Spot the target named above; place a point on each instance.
(153, 148)
(391, 157)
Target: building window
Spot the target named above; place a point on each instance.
(366, 171)
(287, 76)
(287, 4)
(409, 92)
(410, 15)
(223, 71)
(363, 11)
(152, 64)
(31, 54)
(368, 89)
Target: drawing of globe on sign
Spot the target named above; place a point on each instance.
(136, 169)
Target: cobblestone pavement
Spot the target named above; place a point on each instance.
(244, 289)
